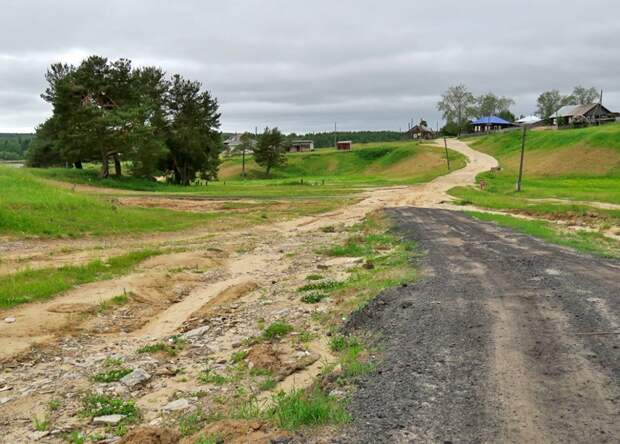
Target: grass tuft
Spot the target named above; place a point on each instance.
(302, 408)
(277, 330)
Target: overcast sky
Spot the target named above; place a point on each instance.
(301, 65)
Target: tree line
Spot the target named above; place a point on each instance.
(110, 112)
(459, 105)
(14, 146)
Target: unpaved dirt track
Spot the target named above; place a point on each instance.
(504, 339)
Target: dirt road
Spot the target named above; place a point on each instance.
(505, 339)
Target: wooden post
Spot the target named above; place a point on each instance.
(522, 156)
(243, 162)
(445, 143)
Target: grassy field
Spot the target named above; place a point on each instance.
(28, 206)
(35, 285)
(579, 166)
(317, 174)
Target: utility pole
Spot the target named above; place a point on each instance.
(522, 155)
(335, 135)
(445, 144)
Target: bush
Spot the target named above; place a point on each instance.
(277, 330)
(306, 408)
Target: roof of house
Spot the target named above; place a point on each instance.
(529, 120)
(303, 141)
(491, 120)
(578, 110)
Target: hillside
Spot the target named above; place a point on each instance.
(387, 162)
(591, 151)
(569, 174)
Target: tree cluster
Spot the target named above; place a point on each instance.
(107, 111)
(14, 146)
(551, 101)
(458, 105)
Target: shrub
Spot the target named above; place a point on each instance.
(306, 408)
(277, 330)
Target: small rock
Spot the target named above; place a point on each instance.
(368, 265)
(195, 332)
(108, 419)
(176, 405)
(10, 320)
(5, 400)
(39, 434)
(136, 377)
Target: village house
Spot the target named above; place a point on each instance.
(299, 146)
(344, 145)
(490, 123)
(421, 131)
(578, 115)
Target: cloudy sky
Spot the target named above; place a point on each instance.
(301, 65)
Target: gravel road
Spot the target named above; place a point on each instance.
(503, 339)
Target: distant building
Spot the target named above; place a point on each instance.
(344, 145)
(299, 146)
(421, 131)
(529, 120)
(490, 123)
(575, 115)
(232, 142)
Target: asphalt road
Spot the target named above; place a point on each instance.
(504, 338)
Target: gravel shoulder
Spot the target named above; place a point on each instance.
(504, 339)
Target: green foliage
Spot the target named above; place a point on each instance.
(31, 285)
(53, 405)
(111, 375)
(104, 110)
(269, 151)
(101, 405)
(14, 146)
(41, 424)
(313, 298)
(191, 423)
(340, 342)
(160, 347)
(277, 330)
(326, 285)
(326, 140)
(75, 437)
(121, 299)
(211, 439)
(239, 356)
(314, 277)
(306, 408)
(210, 377)
(268, 384)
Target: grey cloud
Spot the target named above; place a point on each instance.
(303, 65)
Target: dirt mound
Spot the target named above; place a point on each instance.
(72, 308)
(151, 435)
(280, 360)
(239, 432)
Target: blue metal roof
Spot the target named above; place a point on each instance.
(492, 120)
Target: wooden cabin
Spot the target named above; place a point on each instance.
(344, 145)
(300, 146)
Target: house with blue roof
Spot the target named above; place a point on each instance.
(490, 123)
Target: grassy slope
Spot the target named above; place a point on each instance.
(34, 285)
(29, 206)
(575, 165)
(371, 164)
(324, 173)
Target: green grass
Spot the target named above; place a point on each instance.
(326, 285)
(116, 301)
(313, 298)
(210, 377)
(324, 173)
(101, 405)
(566, 173)
(304, 408)
(588, 242)
(35, 285)
(29, 206)
(111, 375)
(277, 330)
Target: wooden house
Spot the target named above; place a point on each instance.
(582, 115)
(490, 123)
(299, 146)
(344, 145)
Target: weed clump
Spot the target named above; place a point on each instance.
(306, 408)
(313, 298)
(277, 330)
(111, 375)
(102, 405)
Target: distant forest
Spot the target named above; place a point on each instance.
(325, 140)
(14, 146)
